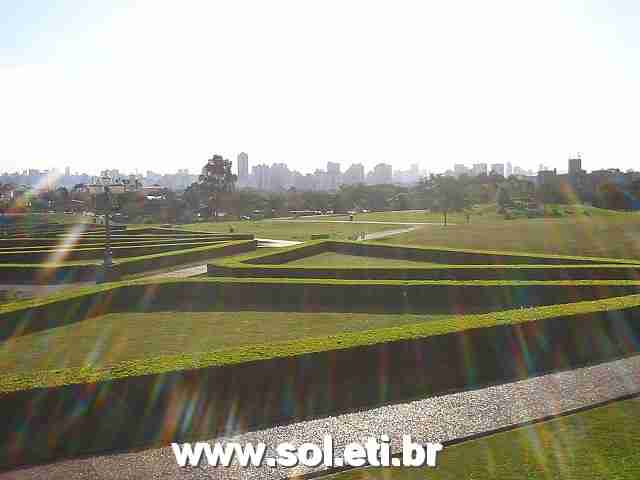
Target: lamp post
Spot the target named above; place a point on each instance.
(108, 253)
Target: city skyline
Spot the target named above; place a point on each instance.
(91, 85)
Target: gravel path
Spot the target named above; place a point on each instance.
(447, 417)
(388, 233)
(374, 222)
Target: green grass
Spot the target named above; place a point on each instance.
(288, 230)
(331, 259)
(166, 362)
(595, 444)
(104, 341)
(247, 260)
(611, 236)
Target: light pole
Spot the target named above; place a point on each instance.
(108, 253)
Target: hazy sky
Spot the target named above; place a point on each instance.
(164, 84)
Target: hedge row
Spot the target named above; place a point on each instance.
(180, 257)
(92, 253)
(132, 412)
(61, 273)
(274, 265)
(426, 254)
(302, 296)
(449, 272)
(88, 242)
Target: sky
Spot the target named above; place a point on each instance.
(161, 85)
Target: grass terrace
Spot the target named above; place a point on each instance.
(369, 260)
(52, 253)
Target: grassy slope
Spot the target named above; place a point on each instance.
(288, 230)
(113, 338)
(270, 349)
(600, 234)
(331, 259)
(596, 444)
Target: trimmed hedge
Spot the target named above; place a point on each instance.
(91, 253)
(124, 413)
(426, 254)
(124, 240)
(61, 273)
(303, 296)
(274, 265)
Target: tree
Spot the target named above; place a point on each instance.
(216, 182)
(448, 194)
(503, 197)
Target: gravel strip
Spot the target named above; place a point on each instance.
(443, 418)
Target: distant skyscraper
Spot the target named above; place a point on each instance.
(354, 174)
(333, 168)
(479, 169)
(460, 169)
(243, 168)
(381, 174)
(497, 169)
(575, 166)
(509, 170)
(67, 171)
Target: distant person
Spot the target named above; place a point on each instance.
(468, 217)
(351, 217)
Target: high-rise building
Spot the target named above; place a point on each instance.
(333, 177)
(243, 168)
(333, 168)
(479, 169)
(460, 169)
(381, 174)
(509, 170)
(497, 169)
(354, 174)
(575, 166)
(260, 175)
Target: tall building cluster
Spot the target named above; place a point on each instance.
(278, 176)
(502, 169)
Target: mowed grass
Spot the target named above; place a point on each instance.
(104, 341)
(478, 214)
(596, 444)
(610, 236)
(332, 259)
(289, 230)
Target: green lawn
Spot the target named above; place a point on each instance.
(479, 213)
(611, 235)
(289, 230)
(126, 345)
(110, 339)
(332, 259)
(602, 443)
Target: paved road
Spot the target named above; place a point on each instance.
(447, 417)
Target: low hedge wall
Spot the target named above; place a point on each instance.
(61, 273)
(197, 403)
(124, 240)
(91, 253)
(159, 261)
(304, 296)
(446, 272)
(426, 254)
(47, 274)
(274, 265)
